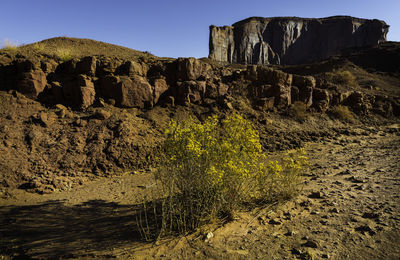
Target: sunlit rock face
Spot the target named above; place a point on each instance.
(292, 40)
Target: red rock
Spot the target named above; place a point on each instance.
(87, 66)
(32, 83)
(191, 69)
(127, 91)
(79, 91)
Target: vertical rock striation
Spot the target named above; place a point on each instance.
(292, 40)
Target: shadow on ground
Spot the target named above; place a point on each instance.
(53, 229)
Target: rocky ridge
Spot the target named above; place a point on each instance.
(84, 82)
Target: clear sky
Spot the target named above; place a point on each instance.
(168, 28)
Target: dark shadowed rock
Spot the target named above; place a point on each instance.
(291, 40)
(190, 91)
(87, 66)
(32, 83)
(79, 91)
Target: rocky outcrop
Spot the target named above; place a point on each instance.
(292, 40)
(90, 81)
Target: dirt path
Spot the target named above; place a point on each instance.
(349, 209)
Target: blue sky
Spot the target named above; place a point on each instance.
(169, 28)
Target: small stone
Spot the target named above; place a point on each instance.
(326, 256)
(295, 251)
(305, 203)
(274, 222)
(354, 179)
(111, 101)
(311, 243)
(290, 233)
(359, 187)
(345, 172)
(365, 229)
(315, 195)
(334, 210)
(370, 215)
(209, 235)
(101, 114)
(80, 122)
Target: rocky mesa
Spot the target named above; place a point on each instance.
(292, 40)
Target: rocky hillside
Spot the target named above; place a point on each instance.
(68, 118)
(292, 40)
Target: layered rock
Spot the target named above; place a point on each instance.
(292, 40)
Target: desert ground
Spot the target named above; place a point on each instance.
(73, 176)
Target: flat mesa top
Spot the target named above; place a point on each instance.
(295, 18)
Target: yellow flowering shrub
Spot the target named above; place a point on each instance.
(209, 169)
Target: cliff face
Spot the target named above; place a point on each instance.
(292, 40)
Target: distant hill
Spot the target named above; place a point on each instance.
(78, 48)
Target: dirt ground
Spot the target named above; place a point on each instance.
(349, 208)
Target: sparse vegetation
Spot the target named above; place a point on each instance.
(9, 46)
(298, 110)
(342, 78)
(342, 113)
(210, 170)
(64, 54)
(37, 46)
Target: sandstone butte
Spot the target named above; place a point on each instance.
(292, 40)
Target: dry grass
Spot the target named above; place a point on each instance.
(78, 48)
(298, 111)
(344, 78)
(9, 46)
(342, 113)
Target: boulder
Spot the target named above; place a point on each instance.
(108, 66)
(304, 81)
(321, 99)
(267, 75)
(32, 83)
(191, 69)
(48, 66)
(160, 87)
(127, 91)
(282, 95)
(131, 68)
(52, 94)
(358, 102)
(87, 66)
(67, 68)
(190, 91)
(79, 91)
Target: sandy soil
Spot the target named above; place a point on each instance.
(349, 208)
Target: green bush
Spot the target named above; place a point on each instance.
(209, 170)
